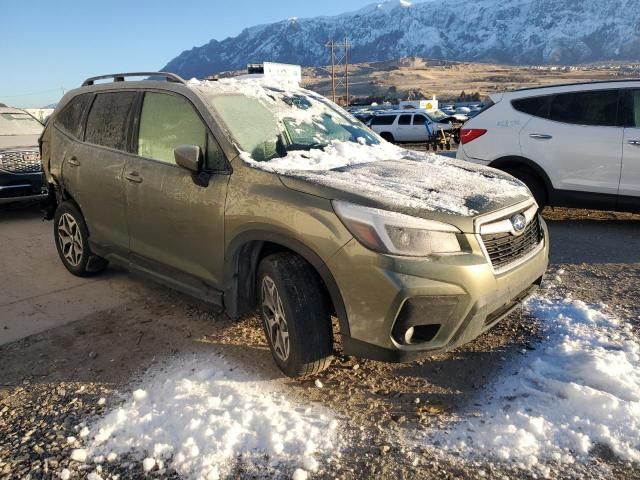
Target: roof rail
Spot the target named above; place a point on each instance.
(592, 82)
(119, 77)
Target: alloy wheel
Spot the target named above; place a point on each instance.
(70, 239)
(275, 319)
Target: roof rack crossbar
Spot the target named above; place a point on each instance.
(120, 77)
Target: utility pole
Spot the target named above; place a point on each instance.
(336, 80)
(333, 71)
(346, 67)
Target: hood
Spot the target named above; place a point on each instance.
(425, 186)
(8, 142)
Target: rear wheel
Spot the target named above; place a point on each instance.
(388, 137)
(531, 180)
(295, 315)
(72, 241)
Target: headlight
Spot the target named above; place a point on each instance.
(395, 233)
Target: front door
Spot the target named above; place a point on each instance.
(577, 141)
(173, 221)
(404, 129)
(421, 127)
(630, 177)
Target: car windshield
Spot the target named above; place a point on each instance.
(279, 122)
(437, 115)
(18, 123)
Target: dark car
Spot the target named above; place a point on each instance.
(20, 167)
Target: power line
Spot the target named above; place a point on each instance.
(35, 93)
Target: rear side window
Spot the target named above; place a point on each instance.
(70, 119)
(419, 119)
(536, 106)
(405, 120)
(629, 109)
(108, 123)
(383, 120)
(595, 108)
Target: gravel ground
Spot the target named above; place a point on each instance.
(52, 383)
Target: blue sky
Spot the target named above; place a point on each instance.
(47, 44)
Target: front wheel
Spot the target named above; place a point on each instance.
(295, 315)
(72, 241)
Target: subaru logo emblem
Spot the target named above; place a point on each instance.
(519, 222)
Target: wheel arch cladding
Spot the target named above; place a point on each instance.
(241, 265)
(516, 162)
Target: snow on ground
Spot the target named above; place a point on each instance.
(579, 389)
(200, 415)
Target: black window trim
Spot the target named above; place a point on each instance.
(413, 120)
(83, 117)
(551, 96)
(410, 115)
(394, 115)
(136, 125)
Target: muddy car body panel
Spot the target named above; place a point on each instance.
(233, 230)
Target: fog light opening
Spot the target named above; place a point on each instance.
(408, 335)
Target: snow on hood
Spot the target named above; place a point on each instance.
(400, 179)
(395, 178)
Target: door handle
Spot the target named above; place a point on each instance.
(540, 136)
(635, 143)
(73, 161)
(134, 177)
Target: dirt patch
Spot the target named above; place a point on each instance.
(52, 383)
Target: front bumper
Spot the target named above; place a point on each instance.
(21, 187)
(460, 297)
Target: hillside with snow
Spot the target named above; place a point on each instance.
(504, 31)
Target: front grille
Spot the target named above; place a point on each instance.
(24, 161)
(504, 248)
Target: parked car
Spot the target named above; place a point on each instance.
(573, 145)
(253, 196)
(408, 125)
(20, 169)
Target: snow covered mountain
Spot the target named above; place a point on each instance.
(505, 31)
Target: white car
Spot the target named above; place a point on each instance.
(573, 145)
(409, 125)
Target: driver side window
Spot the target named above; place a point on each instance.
(167, 121)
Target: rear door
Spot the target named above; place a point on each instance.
(576, 139)
(175, 224)
(97, 166)
(630, 177)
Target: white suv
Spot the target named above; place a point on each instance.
(409, 125)
(573, 145)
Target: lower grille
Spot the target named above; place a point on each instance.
(22, 161)
(504, 248)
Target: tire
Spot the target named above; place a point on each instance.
(72, 241)
(535, 185)
(388, 137)
(291, 300)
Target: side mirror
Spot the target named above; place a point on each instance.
(189, 157)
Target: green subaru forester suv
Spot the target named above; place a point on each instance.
(255, 193)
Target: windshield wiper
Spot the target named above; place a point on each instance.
(305, 146)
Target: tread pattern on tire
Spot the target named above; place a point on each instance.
(303, 294)
(97, 264)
